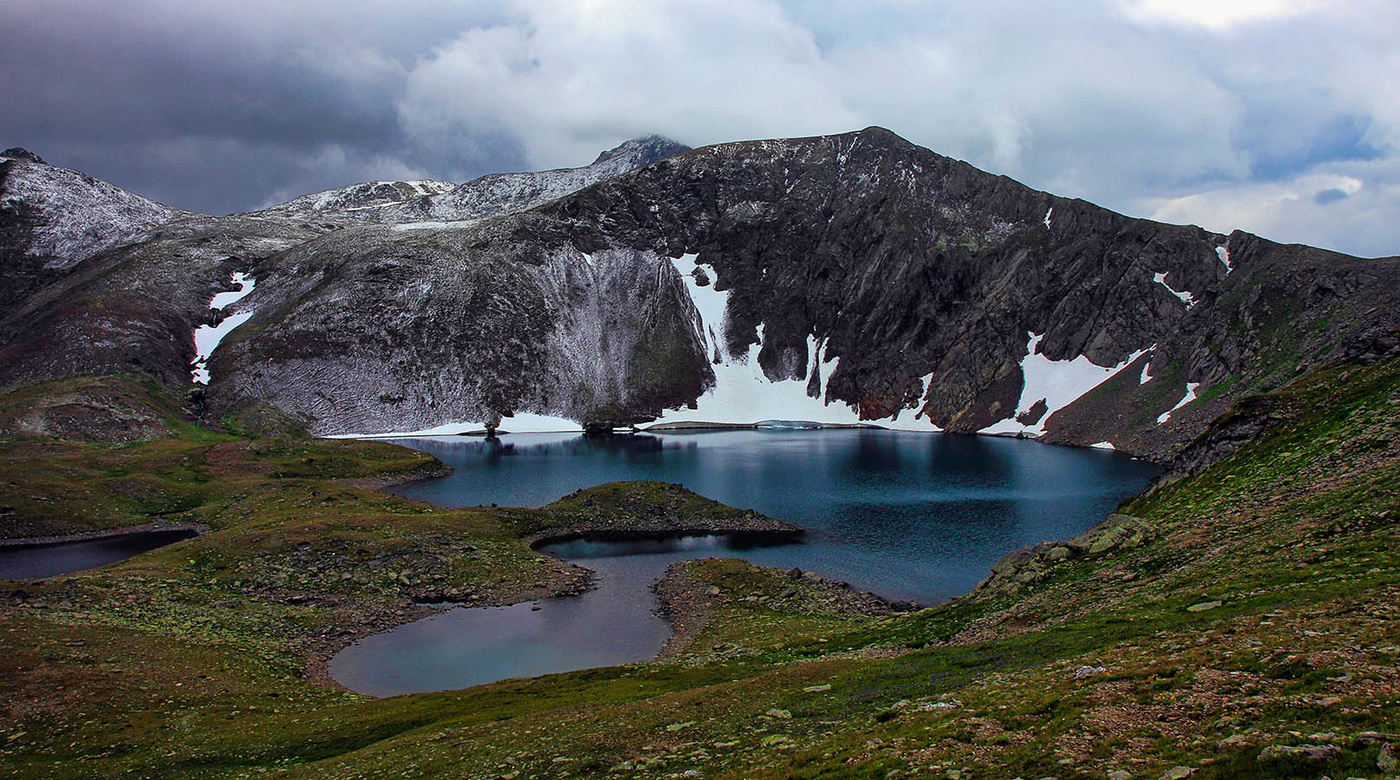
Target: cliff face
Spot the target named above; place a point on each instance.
(400, 330)
(835, 278)
(927, 279)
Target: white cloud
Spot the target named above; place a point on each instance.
(1217, 15)
(1333, 209)
(578, 77)
(1061, 97)
(1124, 103)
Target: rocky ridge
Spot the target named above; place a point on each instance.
(396, 203)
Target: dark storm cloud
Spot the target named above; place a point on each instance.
(218, 111)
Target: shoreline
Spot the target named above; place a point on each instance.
(784, 533)
(684, 428)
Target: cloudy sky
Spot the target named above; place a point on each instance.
(1276, 116)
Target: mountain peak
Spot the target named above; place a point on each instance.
(20, 153)
(643, 150)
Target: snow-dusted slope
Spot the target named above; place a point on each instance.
(65, 215)
(501, 193)
(367, 196)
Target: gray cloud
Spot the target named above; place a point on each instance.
(1329, 195)
(1190, 110)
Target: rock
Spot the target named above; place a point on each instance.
(1120, 774)
(1386, 760)
(1179, 773)
(774, 712)
(1028, 575)
(1088, 671)
(1308, 752)
(1058, 553)
(817, 688)
(1204, 606)
(1234, 740)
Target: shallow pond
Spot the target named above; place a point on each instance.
(27, 562)
(910, 516)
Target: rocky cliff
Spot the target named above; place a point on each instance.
(840, 278)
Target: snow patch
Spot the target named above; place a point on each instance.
(742, 395)
(245, 285)
(1186, 297)
(207, 337)
(1050, 211)
(523, 422)
(1191, 388)
(1223, 252)
(1103, 445)
(1146, 377)
(1057, 382)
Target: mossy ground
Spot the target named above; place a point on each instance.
(192, 661)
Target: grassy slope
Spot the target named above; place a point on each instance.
(188, 662)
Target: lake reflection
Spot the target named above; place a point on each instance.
(911, 516)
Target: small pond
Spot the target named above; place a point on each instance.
(28, 562)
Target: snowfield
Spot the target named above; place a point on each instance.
(1057, 382)
(523, 422)
(1223, 252)
(742, 395)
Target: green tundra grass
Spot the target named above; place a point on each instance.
(1250, 606)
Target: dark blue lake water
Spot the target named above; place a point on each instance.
(912, 516)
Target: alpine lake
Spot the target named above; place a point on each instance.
(918, 517)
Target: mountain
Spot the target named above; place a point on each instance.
(51, 218)
(838, 278)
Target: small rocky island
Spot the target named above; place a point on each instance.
(624, 511)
